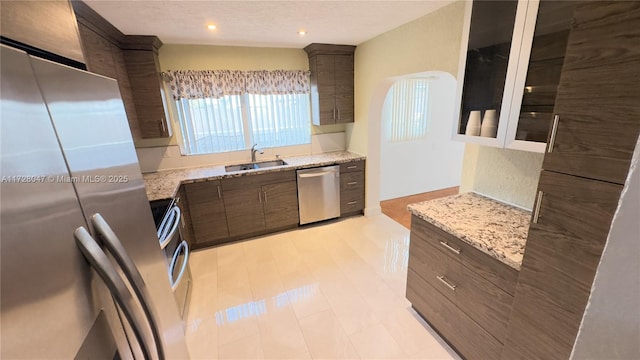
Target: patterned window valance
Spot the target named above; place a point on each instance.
(263, 82)
(201, 84)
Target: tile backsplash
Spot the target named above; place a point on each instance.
(153, 159)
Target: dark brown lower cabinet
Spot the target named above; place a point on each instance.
(563, 250)
(456, 328)
(352, 179)
(447, 284)
(256, 203)
(207, 211)
(235, 208)
(280, 204)
(244, 210)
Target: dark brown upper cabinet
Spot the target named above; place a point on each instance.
(133, 61)
(45, 25)
(597, 111)
(141, 58)
(332, 83)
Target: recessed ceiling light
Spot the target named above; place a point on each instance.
(302, 32)
(211, 27)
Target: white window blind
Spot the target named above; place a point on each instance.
(211, 125)
(409, 110)
(235, 122)
(279, 120)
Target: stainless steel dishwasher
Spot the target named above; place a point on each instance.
(319, 193)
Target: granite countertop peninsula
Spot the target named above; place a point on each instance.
(495, 228)
(165, 184)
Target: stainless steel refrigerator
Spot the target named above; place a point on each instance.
(82, 273)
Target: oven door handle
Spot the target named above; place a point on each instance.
(166, 238)
(184, 246)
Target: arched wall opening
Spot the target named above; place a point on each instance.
(434, 162)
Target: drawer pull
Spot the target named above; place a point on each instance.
(352, 183)
(352, 202)
(352, 167)
(448, 284)
(451, 248)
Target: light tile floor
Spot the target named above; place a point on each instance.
(330, 291)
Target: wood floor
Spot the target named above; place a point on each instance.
(397, 208)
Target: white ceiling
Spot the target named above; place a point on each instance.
(262, 23)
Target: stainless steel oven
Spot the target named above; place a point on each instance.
(176, 252)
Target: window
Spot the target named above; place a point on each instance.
(223, 110)
(235, 122)
(409, 110)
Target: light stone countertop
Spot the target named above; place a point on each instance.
(495, 228)
(165, 184)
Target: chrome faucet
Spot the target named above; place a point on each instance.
(253, 152)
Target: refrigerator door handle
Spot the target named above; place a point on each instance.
(105, 269)
(114, 246)
(174, 259)
(175, 216)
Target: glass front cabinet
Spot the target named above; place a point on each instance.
(511, 59)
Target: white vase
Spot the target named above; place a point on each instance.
(473, 125)
(489, 126)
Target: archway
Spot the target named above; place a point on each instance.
(421, 165)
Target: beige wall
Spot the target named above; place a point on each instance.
(207, 57)
(507, 175)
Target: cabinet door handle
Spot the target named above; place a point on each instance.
(219, 193)
(352, 183)
(265, 197)
(163, 126)
(536, 213)
(352, 202)
(451, 248)
(339, 114)
(554, 131)
(444, 281)
(260, 196)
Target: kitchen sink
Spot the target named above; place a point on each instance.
(256, 165)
